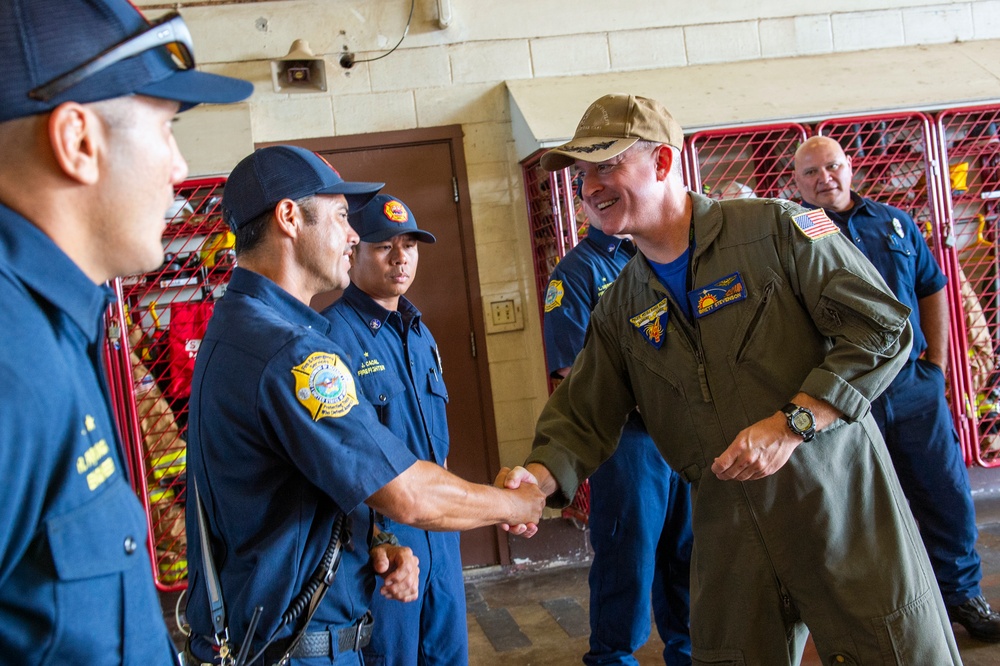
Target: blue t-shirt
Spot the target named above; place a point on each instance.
(673, 276)
(75, 580)
(280, 443)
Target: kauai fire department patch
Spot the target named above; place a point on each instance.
(324, 385)
(554, 295)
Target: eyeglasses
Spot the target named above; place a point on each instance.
(170, 32)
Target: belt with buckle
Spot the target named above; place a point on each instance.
(319, 643)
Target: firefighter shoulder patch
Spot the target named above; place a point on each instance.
(652, 323)
(554, 295)
(324, 386)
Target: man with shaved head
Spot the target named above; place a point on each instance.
(912, 413)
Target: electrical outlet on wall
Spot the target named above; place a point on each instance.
(503, 313)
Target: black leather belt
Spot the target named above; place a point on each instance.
(318, 643)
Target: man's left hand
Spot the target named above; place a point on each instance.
(400, 571)
(758, 451)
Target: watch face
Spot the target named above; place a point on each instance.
(802, 421)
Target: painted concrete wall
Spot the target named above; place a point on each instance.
(456, 76)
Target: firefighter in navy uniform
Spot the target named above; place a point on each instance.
(281, 445)
(399, 371)
(87, 95)
(913, 413)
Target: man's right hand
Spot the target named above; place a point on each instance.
(522, 483)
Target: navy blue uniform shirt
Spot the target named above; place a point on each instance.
(76, 585)
(893, 243)
(589, 270)
(280, 444)
(382, 342)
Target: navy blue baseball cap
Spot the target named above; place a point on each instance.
(268, 175)
(55, 51)
(386, 217)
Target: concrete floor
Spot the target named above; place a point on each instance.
(539, 617)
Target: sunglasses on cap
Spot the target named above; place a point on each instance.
(170, 32)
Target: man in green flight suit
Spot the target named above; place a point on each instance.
(752, 336)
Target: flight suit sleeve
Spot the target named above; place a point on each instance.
(869, 335)
(581, 424)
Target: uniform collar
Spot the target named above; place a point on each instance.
(860, 203)
(33, 259)
(264, 289)
(375, 316)
(706, 217)
(607, 244)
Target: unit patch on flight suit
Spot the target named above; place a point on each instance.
(324, 386)
(652, 323)
(554, 295)
(706, 300)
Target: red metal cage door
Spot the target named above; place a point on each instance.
(159, 319)
(745, 162)
(970, 149)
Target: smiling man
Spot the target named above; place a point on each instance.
(399, 370)
(752, 337)
(289, 458)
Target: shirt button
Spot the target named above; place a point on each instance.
(382, 397)
(130, 545)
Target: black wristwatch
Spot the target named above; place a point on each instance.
(383, 538)
(800, 421)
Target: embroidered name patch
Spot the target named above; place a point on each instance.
(706, 300)
(815, 224)
(554, 295)
(652, 323)
(324, 386)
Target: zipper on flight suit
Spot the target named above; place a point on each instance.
(788, 611)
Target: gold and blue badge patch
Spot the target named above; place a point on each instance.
(652, 323)
(815, 224)
(706, 300)
(554, 295)
(324, 386)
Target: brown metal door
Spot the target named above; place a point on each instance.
(425, 169)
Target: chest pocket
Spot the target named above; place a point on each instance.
(435, 384)
(901, 250)
(380, 389)
(756, 322)
(104, 598)
(111, 530)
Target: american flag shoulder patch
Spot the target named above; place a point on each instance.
(815, 224)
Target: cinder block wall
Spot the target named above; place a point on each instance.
(455, 76)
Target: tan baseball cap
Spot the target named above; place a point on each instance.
(610, 126)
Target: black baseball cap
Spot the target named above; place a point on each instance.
(55, 51)
(386, 217)
(271, 174)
